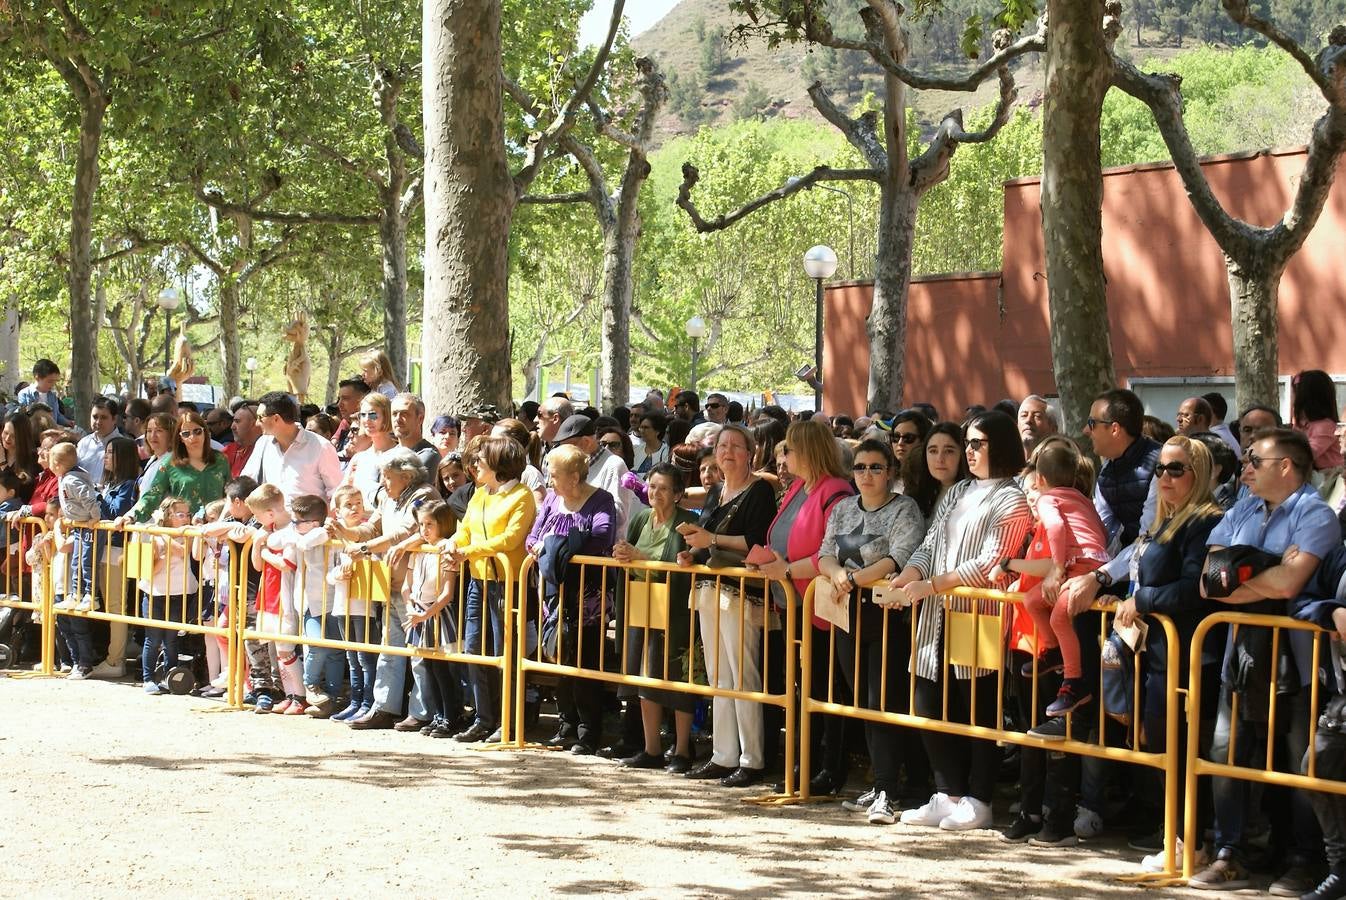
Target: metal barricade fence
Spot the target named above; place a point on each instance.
(346, 600)
(972, 636)
(24, 593)
(164, 580)
(1305, 771)
(607, 613)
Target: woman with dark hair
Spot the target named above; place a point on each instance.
(978, 523)
(940, 464)
(194, 472)
(615, 438)
(767, 434)
(910, 428)
(1313, 410)
(445, 433)
(1225, 469)
(18, 449)
(653, 448)
(676, 432)
(518, 432)
(116, 496)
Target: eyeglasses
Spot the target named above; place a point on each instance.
(872, 468)
(1252, 459)
(714, 405)
(1092, 423)
(611, 445)
(191, 433)
(904, 438)
(1172, 470)
(976, 445)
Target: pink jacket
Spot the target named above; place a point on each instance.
(1075, 533)
(806, 537)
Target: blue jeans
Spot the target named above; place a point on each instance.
(391, 675)
(485, 680)
(322, 665)
(163, 609)
(74, 631)
(79, 581)
(362, 666)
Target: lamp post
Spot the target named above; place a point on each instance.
(252, 367)
(696, 330)
(169, 298)
(820, 262)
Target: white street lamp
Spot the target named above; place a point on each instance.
(820, 262)
(169, 298)
(696, 330)
(252, 367)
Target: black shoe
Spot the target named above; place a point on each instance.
(582, 749)
(1021, 829)
(1296, 881)
(1049, 662)
(445, 730)
(374, 721)
(1333, 887)
(742, 777)
(708, 770)
(1054, 834)
(563, 738)
(825, 784)
(669, 753)
(474, 735)
(1053, 729)
(429, 727)
(1151, 842)
(619, 750)
(678, 765)
(643, 760)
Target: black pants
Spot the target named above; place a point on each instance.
(579, 701)
(1044, 783)
(891, 747)
(963, 766)
(828, 733)
(444, 690)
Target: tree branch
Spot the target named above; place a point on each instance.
(555, 199)
(861, 133)
(365, 171)
(932, 166)
(216, 200)
(137, 243)
(690, 176)
(1242, 13)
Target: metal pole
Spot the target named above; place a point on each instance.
(818, 348)
(168, 340)
(694, 361)
(850, 215)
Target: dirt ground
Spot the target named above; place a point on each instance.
(109, 793)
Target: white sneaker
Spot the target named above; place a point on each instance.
(67, 603)
(969, 814)
(1088, 824)
(861, 803)
(881, 811)
(86, 604)
(1155, 861)
(105, 670)
(932, 813)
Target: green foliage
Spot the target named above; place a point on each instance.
(753, 104)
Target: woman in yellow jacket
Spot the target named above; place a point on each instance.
(498, 519)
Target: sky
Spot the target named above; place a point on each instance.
(640, 15)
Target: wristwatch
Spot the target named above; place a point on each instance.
(1103, 578)
(850, 576)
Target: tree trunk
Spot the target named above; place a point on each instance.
(230, 348)
(9, 347)
(620, 237)
(469, 198)
(83, 369)
(1253, 297)
(393, 239)
(887, 325)
(334, 357)
(1078, 73)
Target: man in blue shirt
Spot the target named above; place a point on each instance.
(1283, 510)
(43, 390)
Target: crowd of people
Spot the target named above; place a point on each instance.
(890, 510)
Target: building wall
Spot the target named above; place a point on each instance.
(978, 338)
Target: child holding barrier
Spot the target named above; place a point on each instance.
(357, 618)
(79, 503)
(1077, 542)
(307, 557)
(431, 593)
(164, 597)
(267, 505)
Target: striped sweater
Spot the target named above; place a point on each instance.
(995, 532)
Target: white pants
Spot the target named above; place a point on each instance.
(738, 723)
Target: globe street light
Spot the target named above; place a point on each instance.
(696, 330)
(169, 298)
(252, 367)
(820, 262)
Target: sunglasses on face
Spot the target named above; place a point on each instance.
(901, 437)
(713, 405)
(872, 468)
(976, 445)
(1252, 459)
(612, 445)
(191, 433)
(1172, 470)
(1091, 422)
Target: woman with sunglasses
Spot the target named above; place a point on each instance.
(910, 429)
(364, 469)
(869, 537)
(194, 472)
(978, 523)
(1166, 578)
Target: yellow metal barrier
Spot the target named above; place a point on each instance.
(25, 588)
(592, 609)
(980, 648)
(1196, 766)
(350, 578)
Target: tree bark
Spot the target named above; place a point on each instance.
(9, 346)
(83, 369)
(1253, 305)
(334, 358)
(393, 227)
(230, 347)
(887, 324)
(619, 251)
(469, 199)
(1078, 73)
